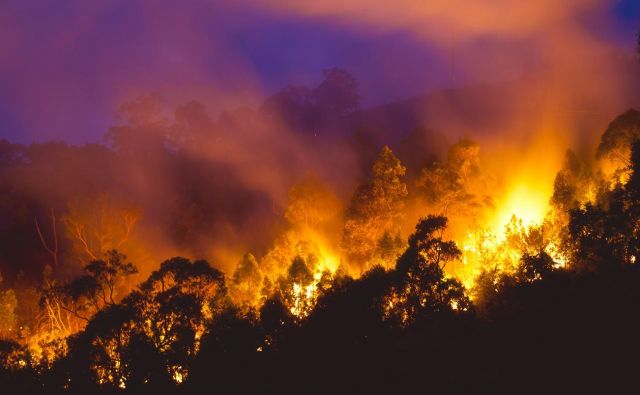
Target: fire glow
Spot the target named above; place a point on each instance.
(183, 227)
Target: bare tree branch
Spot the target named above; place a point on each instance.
(52, 251)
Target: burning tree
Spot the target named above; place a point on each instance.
(576, 184)
(372, 222)
(8, 304)
(174, 305)
(608, 232)
(457, 186)
(99, 225)
(298, 289)
(615, 144)
(154, 333)
(302, 248)
(311, 205)
(245, 287)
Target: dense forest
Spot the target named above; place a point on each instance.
(271, 250)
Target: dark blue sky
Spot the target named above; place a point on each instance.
(65, 66)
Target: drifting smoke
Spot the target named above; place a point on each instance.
(175, 178)
(227, 190)
(285, 192)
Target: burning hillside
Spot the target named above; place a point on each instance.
(477, 227)
(483, 236)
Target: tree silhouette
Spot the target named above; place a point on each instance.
(89, 293)
(311, 205)
(605, 235)
(310, 109)
(230, 349)
(277, 323)
(145, 129)
(338, 93)
(297, 290)
(176, 302)
(535, 267)
(616, 141)
(576, 183)
(375, 210)
(421, 287)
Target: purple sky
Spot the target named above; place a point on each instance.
(65, 65)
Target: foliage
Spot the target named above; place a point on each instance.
(456, 184)
(99, 225)
(308, 109)
(8, 305)
(285, 322)
(99, 288)
(576, 184)
(245, 285)
(375, 210)
(145, 127)
(311, 205)
(608, 233)
(421, 287)
(616, 141)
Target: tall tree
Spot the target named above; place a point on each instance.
(421, 287)
(8, 305)
(309, 109)
(100, 287)
(375, 211)
(98, 225)
(615, 143)
(607, 234)
(338, 93)
(145, 129)
(176, 302)
(311, 205)
(457, 185)
(298, 289)
(245, 287)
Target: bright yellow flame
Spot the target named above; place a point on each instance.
(487, 247)
(527, 203)
(178, 374)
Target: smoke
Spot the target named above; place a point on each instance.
(544, 79)
(471, 18)
(569, 77)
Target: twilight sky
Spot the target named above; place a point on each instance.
(66, 65)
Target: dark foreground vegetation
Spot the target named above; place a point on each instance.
(569, 331)
(564, 318)
(540, 329)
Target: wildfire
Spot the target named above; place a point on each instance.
(524, 202)
(493, 229)
(500, 242)
(178, 374)
(304, 288)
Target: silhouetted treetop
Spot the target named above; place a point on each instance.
(617, 138)
(338, 93)
(299, 272)
(197, 277)
(427, 247)
(309, 109)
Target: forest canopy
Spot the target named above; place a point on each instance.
(268, 249)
